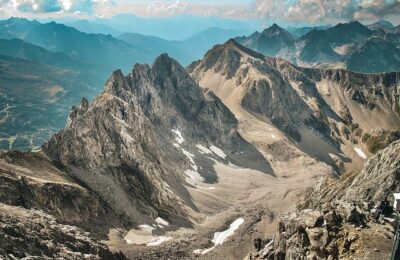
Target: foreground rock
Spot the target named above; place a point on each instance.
(340, 222)
(32, 233)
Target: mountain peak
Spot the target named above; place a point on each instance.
(275, 26)
(234, 45)
(274, 30)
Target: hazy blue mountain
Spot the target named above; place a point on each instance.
(185, 51)
(381, 24)
(273, 41)
(395, 29)
(344, 33)
(103, 53)
(184, 25)
(16, 27)
(315, 48)
(374, 55)
(300, 31)
(17, 48)
(346, 45)
(93, 27)
(35, 99)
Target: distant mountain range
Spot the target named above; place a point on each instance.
(353, 46)
(178, 27)
(85, 55)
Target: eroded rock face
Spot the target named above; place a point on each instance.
(378, 179)
(32, 233)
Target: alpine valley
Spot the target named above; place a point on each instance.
(275, 145)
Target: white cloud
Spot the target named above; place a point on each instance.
(326, 11)
(159, 8)
(290, 11)
(46, 6)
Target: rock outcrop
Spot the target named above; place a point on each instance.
(35, 235)
(337, 220)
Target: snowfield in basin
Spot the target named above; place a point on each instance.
(220, 237)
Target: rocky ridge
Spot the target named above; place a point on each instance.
(334, 106)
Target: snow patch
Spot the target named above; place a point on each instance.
(179, 138)
(220, 237)
(192, 175)
(162, 222)
(146, 228)
(158, 240)
(203, 150)
(360, 153)
(218, 151)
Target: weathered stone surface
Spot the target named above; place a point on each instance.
(32, 233)
(348, 229)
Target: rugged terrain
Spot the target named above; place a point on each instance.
(336, 218)
(323, 113)
(169, 162)
(143, 150)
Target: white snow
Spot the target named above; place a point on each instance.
(145, 235)
(218, 151)
(179, 137)
(158, 240)
(342, 50)
(197, 251)
(190, 156)
(162, 222)
(220, 237)
(203, 150)
(192, 175)
(146, 228)
(360, 153)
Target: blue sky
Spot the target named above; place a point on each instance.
(281, 11)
